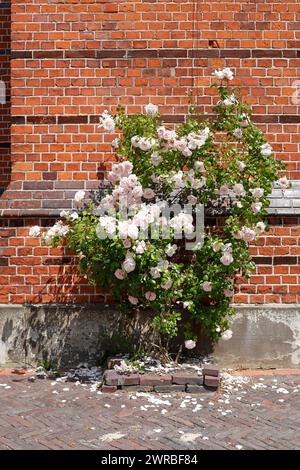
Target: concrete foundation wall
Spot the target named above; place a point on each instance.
(263, 336)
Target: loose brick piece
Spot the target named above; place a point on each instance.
(132, 379)
(109, 388)
(113, 361)
(148, 379)
(169, 388)
(211, 381)
(211, 370)
(111, 377)
(183, 379)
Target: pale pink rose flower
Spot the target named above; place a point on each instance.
(133, 300)
(120, 274)
(150, 296)
(207, 286)
(190, 344)
(257, 192)
(148, 193)
(151, 109)
(226, 335)
(128, 265)
(228, 292)
(35, 231)
(256, 207)
(126, 243)
(226, 259)
(167, 285)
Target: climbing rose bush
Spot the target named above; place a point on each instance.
(223, 164)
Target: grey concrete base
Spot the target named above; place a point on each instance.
(263, 336)
(67, 335)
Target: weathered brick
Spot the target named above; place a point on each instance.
(211, 381)
(211, 370)
(148, 379)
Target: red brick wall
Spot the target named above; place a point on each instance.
(5, 24)
(71, 60)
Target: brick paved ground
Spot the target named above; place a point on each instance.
(261, 414)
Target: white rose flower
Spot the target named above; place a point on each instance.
(226, 335)
(260, 227)
(230, 100)
(238, 133)
(73, 216)
(133, 300)
(133, 231)
(155, 158)
(163, 264)
(266, 150)
(190, 344)
(228, 292)
(148, 193)
(246, 234)
(228, 73)
(150, 296)
(219, 74)
(79, 196)
(217, 246)
(115, 143)
(256, 207)
(167, 285)
(126, 243)
(135, 141)
(241, 165)
(226, 259)
(151, 109)
(238, 189)
(199, 166)
(140, 247)
(192, 199)
(283, 182)
(64, 214)
(224, 190)
(35, 231)
(146, 144)
(186, 152)
(257, 192)
(171, 250)
(155, 273)
(107, 122)
(120, 274)
(129, 264)
(207, 286)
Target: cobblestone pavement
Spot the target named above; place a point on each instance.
(263, 413)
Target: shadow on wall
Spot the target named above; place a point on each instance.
(5, 117)
(67, 335)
